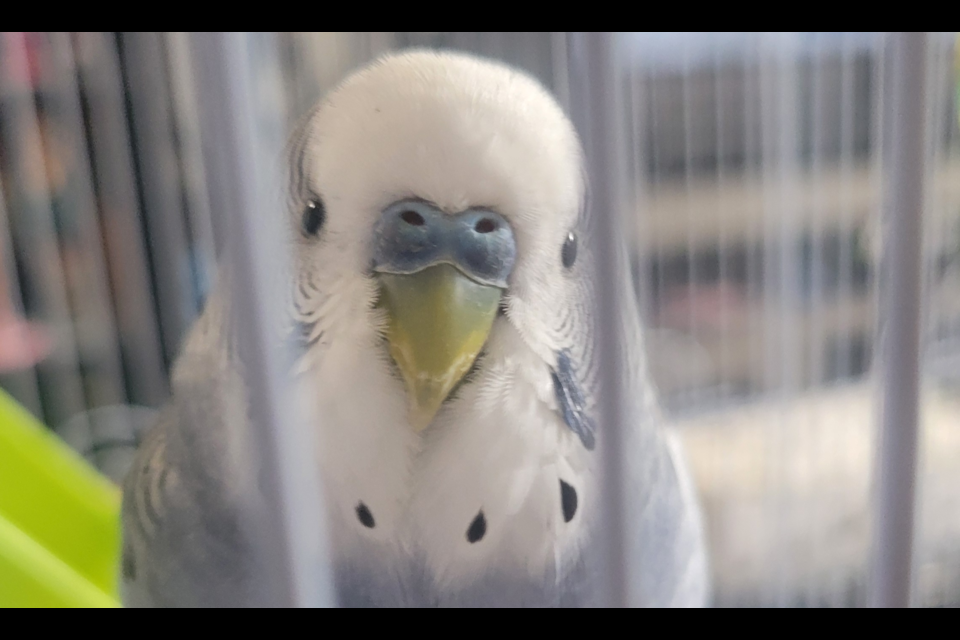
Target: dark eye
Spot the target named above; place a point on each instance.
(569, 253)
(313, 217)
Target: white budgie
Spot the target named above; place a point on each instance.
(441, 297)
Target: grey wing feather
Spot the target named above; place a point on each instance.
(167, 507)
(669, 541)
(667, 531)
(183, 541)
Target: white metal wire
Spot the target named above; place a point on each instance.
(287, 525)
(900, 329)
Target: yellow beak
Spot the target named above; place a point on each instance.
(438, 321)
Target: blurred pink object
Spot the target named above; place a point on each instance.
(26, 76)
(702, 305)
(23, 344)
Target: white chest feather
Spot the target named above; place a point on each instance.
(498, 481)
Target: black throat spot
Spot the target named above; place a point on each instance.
(477, 529)
(568, 501)
(365, 516)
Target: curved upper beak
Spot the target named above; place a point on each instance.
(438, 321)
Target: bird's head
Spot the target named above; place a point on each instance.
(446, 194)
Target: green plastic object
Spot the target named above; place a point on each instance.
(59, 520)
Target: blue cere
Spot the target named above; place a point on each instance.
(412, 235)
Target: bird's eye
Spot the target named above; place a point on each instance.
(313, 217)
(569, 253)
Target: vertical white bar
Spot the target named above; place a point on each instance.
(725, 284)
(203, 250)
(290, 528)
(935, 236)
(693, 391)
(845, 225)
(595, 89)
(878, 110)
(821, 63)
(834, 584)
(656, 242)
(790, 302)
(755, 251)
(778, 96)
(900, 324)
(640, 228)
(561, 69)
(819, 209)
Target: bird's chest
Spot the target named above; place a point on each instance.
(495, 489)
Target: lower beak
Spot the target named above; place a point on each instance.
(438, 321)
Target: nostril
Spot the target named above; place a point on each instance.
(485, 225)
(412, 218)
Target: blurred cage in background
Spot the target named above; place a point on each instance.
(755, 238)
